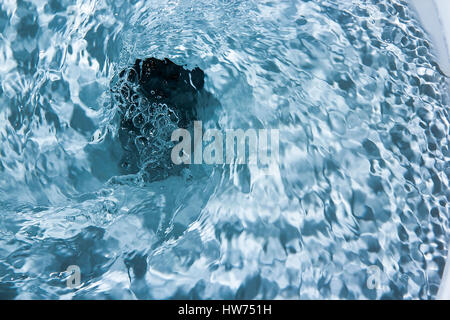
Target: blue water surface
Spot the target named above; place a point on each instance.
(360, 187)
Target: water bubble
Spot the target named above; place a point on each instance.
(141, 142)
(139, 120)
(147, 129)
(131, 111)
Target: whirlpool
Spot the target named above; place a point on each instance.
(224, 149)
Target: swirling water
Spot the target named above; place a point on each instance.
(361, 182)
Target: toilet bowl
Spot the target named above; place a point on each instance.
(435, 18)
